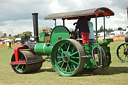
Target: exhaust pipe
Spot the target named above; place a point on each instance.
(35, 26)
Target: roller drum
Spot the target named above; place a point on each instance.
(33, 61)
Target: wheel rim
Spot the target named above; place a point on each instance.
(122, 52)
(19, 68)
(109, 58)
(99, 57)
(66, 58)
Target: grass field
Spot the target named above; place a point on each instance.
(116, 74)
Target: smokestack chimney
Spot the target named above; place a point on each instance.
(35, 26)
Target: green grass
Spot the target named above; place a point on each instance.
(116, 74)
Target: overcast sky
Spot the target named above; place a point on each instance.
(15, 15)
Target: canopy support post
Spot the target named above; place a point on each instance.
(63, 22)
(55, 22)
(104, 26)
(96, 29)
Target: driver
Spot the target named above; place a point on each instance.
(82, 25)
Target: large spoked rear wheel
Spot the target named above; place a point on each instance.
(122, 52)
(68, 57)
(28, 57)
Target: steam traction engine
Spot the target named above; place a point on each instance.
(122, 50)
(68, 55)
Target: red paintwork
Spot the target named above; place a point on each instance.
(96, 13)
(16, 51)
(18, 62)
(48, 39)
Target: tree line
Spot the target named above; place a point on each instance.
(110, 29)
(4, 35)
(17, 36)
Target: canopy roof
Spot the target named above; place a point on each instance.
(99, 12)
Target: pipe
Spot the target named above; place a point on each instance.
(104, 25)
(55, 22)
(127, 16)
(96, 29)
(35, 26)
(63, 22)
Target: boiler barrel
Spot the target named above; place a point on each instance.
(43, 49)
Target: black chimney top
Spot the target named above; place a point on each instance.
(35, 26)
